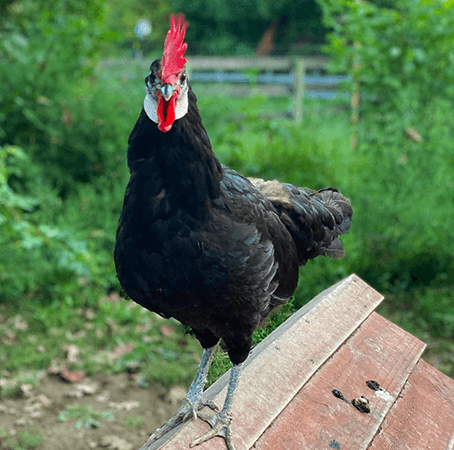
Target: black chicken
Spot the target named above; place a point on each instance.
(199, 242)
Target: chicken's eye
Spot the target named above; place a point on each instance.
(150, 82)
(150, 79)
(183, 78)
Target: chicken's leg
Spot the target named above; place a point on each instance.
(193, 400)
(220, 423)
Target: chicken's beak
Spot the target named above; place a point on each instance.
(167, 91)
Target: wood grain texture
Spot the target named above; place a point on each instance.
(423, 416)
(316, 419)
(284, 362)
(246, 62)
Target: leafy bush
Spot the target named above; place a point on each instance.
(52, 104)
(401, 57)
(38, 253)
(63, 134)
(403, 51)
(224, 27)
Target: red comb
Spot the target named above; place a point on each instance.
(173, 59)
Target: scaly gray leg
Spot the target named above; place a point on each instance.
(193, 400)
(220, 423)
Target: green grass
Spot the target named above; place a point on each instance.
(26, 439)
(427, 313)
(15, 385)
(134, 422)
(112, 336)
(120, 335)
(85, 415)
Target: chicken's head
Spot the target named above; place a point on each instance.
(167, 84)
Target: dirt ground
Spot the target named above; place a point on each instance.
(134, 412)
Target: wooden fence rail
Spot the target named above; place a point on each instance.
(296, 66)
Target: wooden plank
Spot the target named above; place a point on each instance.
(245, 63)
(423, 416)
(280, 365)
(316, 419)
(235, 90)
(235, 63)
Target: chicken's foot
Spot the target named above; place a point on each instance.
(220, 423)
(193, 400)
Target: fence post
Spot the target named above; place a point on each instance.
(354, 103)
(298, 89)
(355, 96)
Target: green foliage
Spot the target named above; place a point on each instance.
(412, 219)
(223, 27)
(13, 387)
(263, 147)
(26, 439)
(29, 240)
(428, 313)
(401, 57)
(111, 334)
(134, 422)
(59, 150)
(123, 15)
(51, 103)
(86, 416)
(12, 163)
(403, 52)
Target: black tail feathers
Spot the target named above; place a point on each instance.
(315, 219)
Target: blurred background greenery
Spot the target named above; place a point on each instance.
(65, 121)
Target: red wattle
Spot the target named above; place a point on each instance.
(166, 113)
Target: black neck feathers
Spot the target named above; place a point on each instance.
(180, 161)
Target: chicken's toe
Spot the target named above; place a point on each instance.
(220, 426)
(187, 411)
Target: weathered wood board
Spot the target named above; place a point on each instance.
(283, 363)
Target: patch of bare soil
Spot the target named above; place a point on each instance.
(102, 411)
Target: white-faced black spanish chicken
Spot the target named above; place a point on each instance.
(201, 243)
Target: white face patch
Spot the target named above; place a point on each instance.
(182, 104)
(150, 105)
